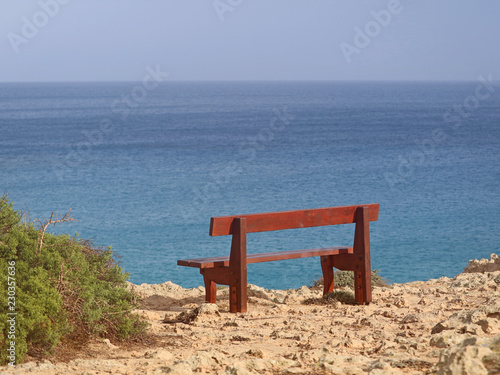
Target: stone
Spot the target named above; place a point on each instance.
(257, 353)
(382, 372)
(444, 326)
(351, 371)
(303, 290)
(204, 361)
(379, 365)
(497, 280)
(295, 370)
(473, 329)
(155, 302)
(328, 367)
(489, 325)
(493, 311)
(488, 318)
(411, 318)
(238, 369)
(464, 358)
(260, 365)
(446, 339)
(179, 368)
(484, 265)
(109, 344)
(400, 302)
(163, 354)
(258, 292)
(208, 309)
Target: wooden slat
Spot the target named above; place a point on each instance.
(296, 254)
(205, 262)
(265, 257)
(263, 222)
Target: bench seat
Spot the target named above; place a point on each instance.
(265, 257)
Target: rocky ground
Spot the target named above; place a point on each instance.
(443, 326)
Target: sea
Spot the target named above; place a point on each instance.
(144, 166)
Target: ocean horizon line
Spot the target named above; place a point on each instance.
(430, 81)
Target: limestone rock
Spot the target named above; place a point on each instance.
(260, 365)
(378, 365)
(258, 292)
(304, 290)
(484, 265)
(204, 361)
(446, 339)
(400, 302)
(489, 325)
(179, 368)
(238, 370)
(488, 318)
(464, 358)
(257, 353)
(110, 345)
(163, 354)
(208, 309)
(296, 370)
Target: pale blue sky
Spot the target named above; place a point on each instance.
(115, 40)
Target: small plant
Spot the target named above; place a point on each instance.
(346, 279)
(342, 296)
(65, 289)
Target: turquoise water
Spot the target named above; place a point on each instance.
(143, 170)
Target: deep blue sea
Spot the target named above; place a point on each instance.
(144, 169)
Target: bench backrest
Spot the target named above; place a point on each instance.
(263, 222)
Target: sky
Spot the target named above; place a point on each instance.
(116, 40)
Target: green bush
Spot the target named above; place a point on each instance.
(64, 287)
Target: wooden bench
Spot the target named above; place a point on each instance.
(232, 270)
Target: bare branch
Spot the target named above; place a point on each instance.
(43, 226)
(26, 216)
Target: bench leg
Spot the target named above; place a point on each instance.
(238, 267)
(210, 290)
(362, 274)
(362, 283)
(238, 298)
(233, 299)
(241, 297)
(212, 277)
(327, 268)
(362, 271)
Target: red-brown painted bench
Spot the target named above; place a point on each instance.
(232, 270)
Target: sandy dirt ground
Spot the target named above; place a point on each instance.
(442, 326)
